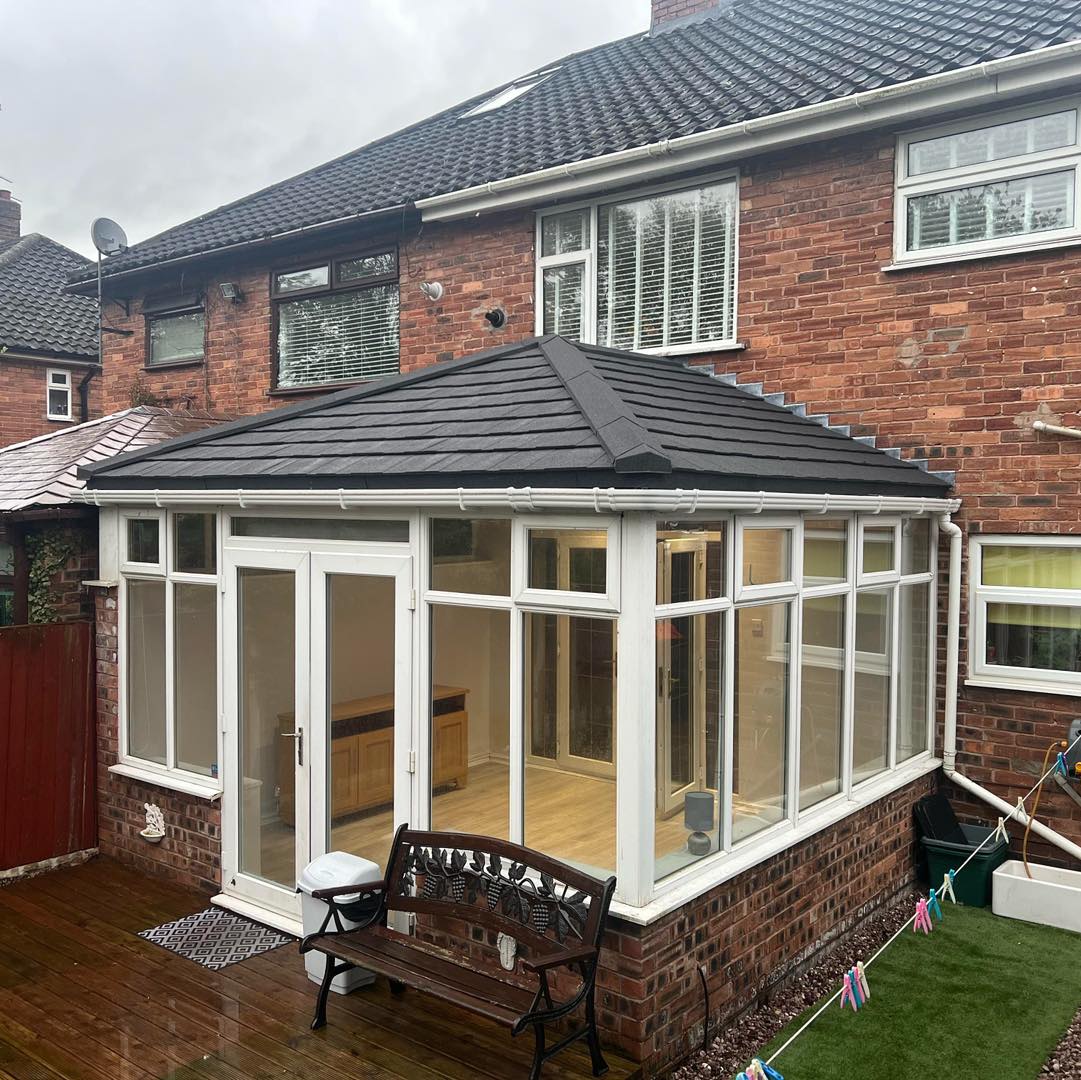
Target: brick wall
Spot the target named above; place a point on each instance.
(23, 402)
(666, 10)
(64, 554)
(190, 853)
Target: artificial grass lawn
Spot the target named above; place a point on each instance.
(982, 998)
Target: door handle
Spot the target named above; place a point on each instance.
(299, 736)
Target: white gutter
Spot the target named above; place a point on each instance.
(1055, 429)
(900, 103)
(598, 500)
(949, 739)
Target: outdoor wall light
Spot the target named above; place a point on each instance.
(698, 817)
(231, 291)
(433, 290)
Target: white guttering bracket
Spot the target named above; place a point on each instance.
(903, 102)
(949, 734)
(596, 500)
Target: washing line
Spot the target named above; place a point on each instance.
(991, 836)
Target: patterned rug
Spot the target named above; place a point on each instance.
(215, 938)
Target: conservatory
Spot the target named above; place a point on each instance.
(594, 602)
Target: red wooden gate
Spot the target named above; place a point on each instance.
(47, 775)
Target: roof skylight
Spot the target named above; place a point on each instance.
(509, 93)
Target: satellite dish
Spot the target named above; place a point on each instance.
(108, 237)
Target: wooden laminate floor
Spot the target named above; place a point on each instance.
(83, 998)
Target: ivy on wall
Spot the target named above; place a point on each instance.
(48, 552)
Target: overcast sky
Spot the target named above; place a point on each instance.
(154, 111)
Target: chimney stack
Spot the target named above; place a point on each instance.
(668, 14)
(10, 219)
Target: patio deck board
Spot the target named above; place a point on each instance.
(82, 997)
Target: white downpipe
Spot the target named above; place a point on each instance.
(1056, 429)
(949, 737)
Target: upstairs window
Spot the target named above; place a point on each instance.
(175, 329)
(58, 395)
(1001, 183)
(656, 272)
(337, 321)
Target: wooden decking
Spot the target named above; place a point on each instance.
(82, 997)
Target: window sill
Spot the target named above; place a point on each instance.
(172, 365)
(316, 388)
(694, 882)
(187, 785)
(60, 419)
(945, 258)
(696, 348)
(1025, 686)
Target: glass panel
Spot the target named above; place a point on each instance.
(822, 669)
(767, 556)
(367, 267)
(570, 800)
(471, 720)
(195, 543)
(1039, 566)
(143, 540)
(315, 278)
(690, 561)
(7, 559)
(7, 606)
(563, 287)
(287, 528)
(878, 553)
(1028, 204)
(195, 677)
(570, 560)
(760, 748)
(993, 143)
(871, 699)
(689, 710)
(915, 545)
(666, 268)
(564, 233)
(344, 335)
(267, 697)
(1034, 636)
(360, 697)
(174, 338)
(471, 555)
(914, 663)
(825, 551)
(59, 401)
(146, 670)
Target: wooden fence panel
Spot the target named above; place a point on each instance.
(47, 772)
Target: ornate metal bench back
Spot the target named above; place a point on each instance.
(499, 885)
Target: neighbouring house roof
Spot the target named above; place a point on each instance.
(36, 315)
(42, 472)
(544, 412)
(753, 58)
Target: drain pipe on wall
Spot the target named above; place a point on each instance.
(949, 738)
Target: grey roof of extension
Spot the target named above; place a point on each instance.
(751, 59)
(36, 315)
(42, 472)
(544, 412)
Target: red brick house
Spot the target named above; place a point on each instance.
(48, 338)
(866, 216)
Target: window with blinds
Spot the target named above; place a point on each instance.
(337, 321)
(655, 272)
(1008, 182)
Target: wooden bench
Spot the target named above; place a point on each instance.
(556, 912)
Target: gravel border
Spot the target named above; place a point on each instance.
(733, 1049)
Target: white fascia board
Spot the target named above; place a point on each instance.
(970, 87)
(599, 500)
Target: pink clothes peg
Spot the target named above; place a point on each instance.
(923, 918)
(848, 994)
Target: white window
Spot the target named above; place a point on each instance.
(509, 93)
(1025, 613)
(58, 395)
(168, 649)
(653, 272)
(1005, 182)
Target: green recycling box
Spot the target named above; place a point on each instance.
(972, 885)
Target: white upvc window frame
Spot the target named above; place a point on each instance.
(589, 258)
(774, 590)
(1030, 680)
(558, 600)
(1037, 163)
(64, 375)
(865, 579)
(169, 775)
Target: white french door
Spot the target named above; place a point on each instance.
(318, 714)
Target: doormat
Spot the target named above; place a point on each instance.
(215, 938)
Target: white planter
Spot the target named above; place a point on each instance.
(1052, 897)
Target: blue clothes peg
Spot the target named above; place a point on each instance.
(933, 905)
(1061, 766)
(771, 1074)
